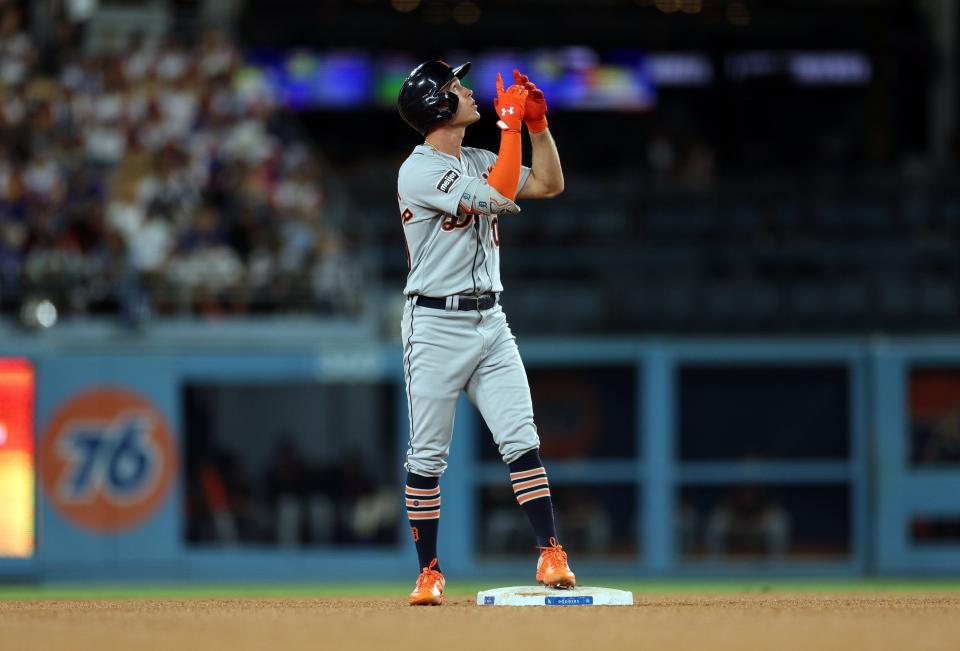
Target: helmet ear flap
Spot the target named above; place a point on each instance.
(443, 106)
(453, 101)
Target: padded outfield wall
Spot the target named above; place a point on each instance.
(646, 441)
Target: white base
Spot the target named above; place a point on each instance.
(539, 595)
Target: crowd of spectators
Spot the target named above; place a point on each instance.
(298, 500)
(158, 178)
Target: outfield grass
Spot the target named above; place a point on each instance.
(459, 588)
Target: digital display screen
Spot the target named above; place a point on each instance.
(16, 458)
(301, 79)
(573, 78)
(802, 68)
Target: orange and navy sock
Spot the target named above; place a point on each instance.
(423, 511)
(530, 485)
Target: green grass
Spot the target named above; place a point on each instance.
(652, 587)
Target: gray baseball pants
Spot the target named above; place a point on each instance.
(446, 351)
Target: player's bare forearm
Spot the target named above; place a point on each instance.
(546, 174)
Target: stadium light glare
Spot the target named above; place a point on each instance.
(38, 313)
(466, 13)
(404, 6)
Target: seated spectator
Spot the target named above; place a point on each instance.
(748, 521)
(203, 268)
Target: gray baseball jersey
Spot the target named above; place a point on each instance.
(446, 351)
(449, 252)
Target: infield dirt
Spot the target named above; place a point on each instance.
(690, 622)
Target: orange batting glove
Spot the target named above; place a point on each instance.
(535, 112)
(510, 104)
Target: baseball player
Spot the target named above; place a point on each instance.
(455, 334)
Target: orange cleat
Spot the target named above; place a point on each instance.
(552, 568)
(429, 590)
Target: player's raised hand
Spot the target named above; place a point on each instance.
(510, 105)
(535, 111)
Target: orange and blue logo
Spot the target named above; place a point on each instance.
(107, 460)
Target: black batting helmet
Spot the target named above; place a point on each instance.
(422, 100)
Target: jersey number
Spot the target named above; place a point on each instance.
(464, 221)
(451, 222)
